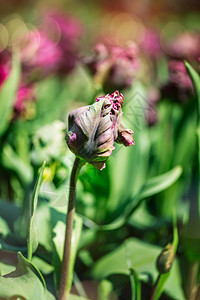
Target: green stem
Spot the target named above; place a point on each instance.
(68, 233)
(192, 276)
(155, 287)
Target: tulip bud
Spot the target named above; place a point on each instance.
(165, 259)
(94, 128)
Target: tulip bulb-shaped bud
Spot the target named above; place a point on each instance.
(94, 128)
(165, 259)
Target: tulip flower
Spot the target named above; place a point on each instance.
(114, 66)
(179, 86)
(93, 129)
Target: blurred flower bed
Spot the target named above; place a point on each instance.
(54, 60)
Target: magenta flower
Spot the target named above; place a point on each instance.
(70, 29)
(40, 56)
(114, 67)
(25, 95)
(153, 97)
(94, 128)
(5, 63)
(52, 48)
(185, 46)
(151, 43)
(69, 32)
(4, 72)
(179, 86)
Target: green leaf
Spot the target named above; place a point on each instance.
(58, 241)
(196, 82)
(7, 95)
(104, 290)
(32, 230)
(74, 247)
(12, 161)
(23, 282)
(9, 212)
(153, 186)
(159, 183)
(143, 257)
(4, 228)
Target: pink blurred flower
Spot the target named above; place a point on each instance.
(40, 56)
(52, 48)
(70, 32)
(25, 95)
(4, 66)
(179, 86)
(184, 46)
(153, 98)
(69, 27)
(151, 43)
(4, 72)
(114, 66)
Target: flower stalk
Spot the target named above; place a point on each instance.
(93, 129)
(64, 279)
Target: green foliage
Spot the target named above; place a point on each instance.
(142, 257)
(123, 213)
(58, 230)
(8, 94)
(23, 282)
(32, 230)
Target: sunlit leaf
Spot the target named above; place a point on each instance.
(23, 282)
(32, 230)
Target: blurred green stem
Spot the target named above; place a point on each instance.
(155, 287)
(192, 277)
(64, 279)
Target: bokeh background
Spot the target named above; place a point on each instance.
(56, 57)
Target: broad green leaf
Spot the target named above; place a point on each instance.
(153, 186)
(159, 183)
(8, 94)
(42, 265)
(9, 212)
(32, 230)
(58, 241)
(74, 247)
(4, 228)
(12, 161)
(8, 261)
(42, 220)
(143, 257)
(104, 290)
(23, 282)
(131, 163)
(196, 82)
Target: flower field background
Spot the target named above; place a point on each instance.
(136, 232)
